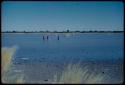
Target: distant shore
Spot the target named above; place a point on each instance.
(68, 32)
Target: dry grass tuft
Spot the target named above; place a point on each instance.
(74, 74)
(7, 55)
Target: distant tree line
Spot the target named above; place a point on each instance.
(67, 31)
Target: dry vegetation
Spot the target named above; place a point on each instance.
(7, 55)
(74, 74)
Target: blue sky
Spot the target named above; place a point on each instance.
(82, 15)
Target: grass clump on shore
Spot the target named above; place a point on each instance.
(7, 55)
(74, 74)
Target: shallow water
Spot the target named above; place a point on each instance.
(79, 46)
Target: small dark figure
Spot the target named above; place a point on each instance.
(43, 38)
(47, 37)
(58, 37)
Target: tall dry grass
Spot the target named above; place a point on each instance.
(74, 74)
(6, 59)
(7, 54)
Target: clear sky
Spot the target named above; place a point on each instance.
(82, 15)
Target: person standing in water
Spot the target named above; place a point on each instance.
(58, 37)
(43, 37)
(47, 37)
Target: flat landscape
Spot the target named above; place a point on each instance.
(62, 42)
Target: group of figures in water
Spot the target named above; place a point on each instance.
(47, 37)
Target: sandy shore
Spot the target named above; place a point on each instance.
(43, 72)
